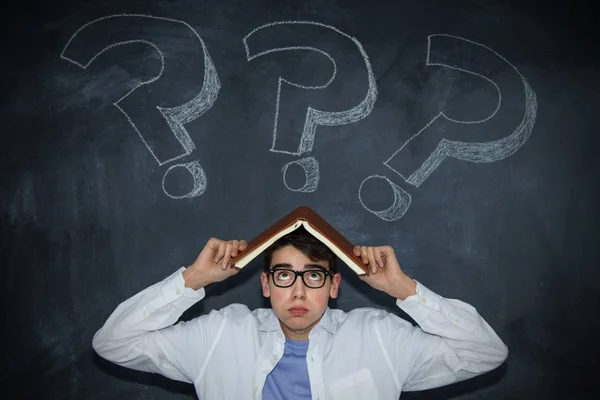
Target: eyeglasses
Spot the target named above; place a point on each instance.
(312, 278)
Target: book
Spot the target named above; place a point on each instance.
(315, 225)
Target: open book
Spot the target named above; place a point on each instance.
(314, 224)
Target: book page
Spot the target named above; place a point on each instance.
(241, 263)
(333, 248)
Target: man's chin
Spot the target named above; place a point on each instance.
(298, 323)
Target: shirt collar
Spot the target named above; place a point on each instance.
(327, 322)
(271, 322)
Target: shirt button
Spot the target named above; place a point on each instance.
(456, 320)
(178, 291)
(423, 300)
(256, 389)
(274, 357)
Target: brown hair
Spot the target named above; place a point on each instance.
(309, 245)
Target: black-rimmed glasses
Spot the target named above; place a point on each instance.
(312, 278)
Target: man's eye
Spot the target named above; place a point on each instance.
(315, 276)
(283, 276)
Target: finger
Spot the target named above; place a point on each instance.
(390, 256)
(363, 254)
(230, 270)
(372, 262)
(226, 256)
(214, 242)
(357, 251)
(220, 251)
(234, 247)
(243, 244)
(366, 277)
(377, 252)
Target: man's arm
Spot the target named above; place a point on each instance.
(452, 343)
(140, 334)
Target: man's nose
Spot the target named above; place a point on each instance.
(298, 289)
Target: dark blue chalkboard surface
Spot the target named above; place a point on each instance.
(464, 134)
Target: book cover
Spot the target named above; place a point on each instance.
(313, 223)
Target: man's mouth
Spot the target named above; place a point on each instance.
(297, 310)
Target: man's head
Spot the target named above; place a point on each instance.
(299, 306)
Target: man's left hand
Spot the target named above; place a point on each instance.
(386, 274)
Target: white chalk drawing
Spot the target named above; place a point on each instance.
(314, 117)
(398, 208)
(102, 34)
(479, 152)
(311, 174)
(198, 175)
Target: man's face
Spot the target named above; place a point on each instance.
(287, 303)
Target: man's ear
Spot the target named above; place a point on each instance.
(335, 286)
(264, 280)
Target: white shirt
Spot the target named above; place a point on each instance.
(366, 353)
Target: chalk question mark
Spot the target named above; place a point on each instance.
(149, 106)
(295, 122)
(413, 164)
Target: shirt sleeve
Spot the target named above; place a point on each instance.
(452, 342)
(140, 334)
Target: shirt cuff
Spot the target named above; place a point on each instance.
(420, 305)
(174, 292)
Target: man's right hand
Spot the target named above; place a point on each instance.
(213, 263)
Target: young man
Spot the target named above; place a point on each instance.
(300, 348)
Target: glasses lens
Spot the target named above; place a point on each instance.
(314, 279)
(283, 277)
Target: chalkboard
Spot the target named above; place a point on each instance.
(464, 134)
